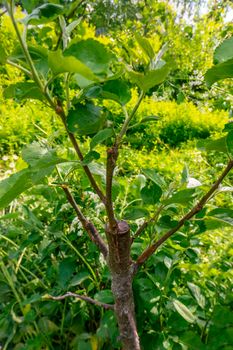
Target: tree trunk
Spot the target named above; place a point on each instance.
(121, 269)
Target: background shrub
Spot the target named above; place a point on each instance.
(177, 123)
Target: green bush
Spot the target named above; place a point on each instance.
(177, 123)
(20, 125)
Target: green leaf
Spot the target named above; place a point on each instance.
(219, 71)
(222, 316)
(10, 216)
(229, 143)
(185, 174)
(85, 119)
(19, 182)
(224, 51)
(65, 271)
(79, 278)
(91, 53)
(223, 215)
(60, 64)
(181, 197)
(228, 127)
(69, 29)
(108, 328)
(46, 326)
(32, 153)
(184, 311)
(83, 82)
(104, 296)
(196, 293)
(166, 222)
(153, 176)
(218, 145)
(213, 224)
(3, 55)
(13, 186)
(192, 340)
(151, 193)
(29, 5)
(116, 90)
(44, 14)
(136, 213)
(5, 326)
(151, 118)
(145, 46)
(100, 137)
(39, 55)
(94, 92)
(150, 79)
(22, 91)
(37, 156)
(37, 52)
(89, 157)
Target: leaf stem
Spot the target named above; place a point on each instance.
(129, 118)
(16, 65)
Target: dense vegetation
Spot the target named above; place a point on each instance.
(183, 293)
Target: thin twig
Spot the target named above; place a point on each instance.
(196, 209)
(3, 13)
(87, 225)
(82, 297)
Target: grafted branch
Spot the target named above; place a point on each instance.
(81, 297)
(198, 207)
(112, 154)
(87, 225)
(129, 118)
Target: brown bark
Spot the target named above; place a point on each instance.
(112, 154)
(81, 297)
(122, 274)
